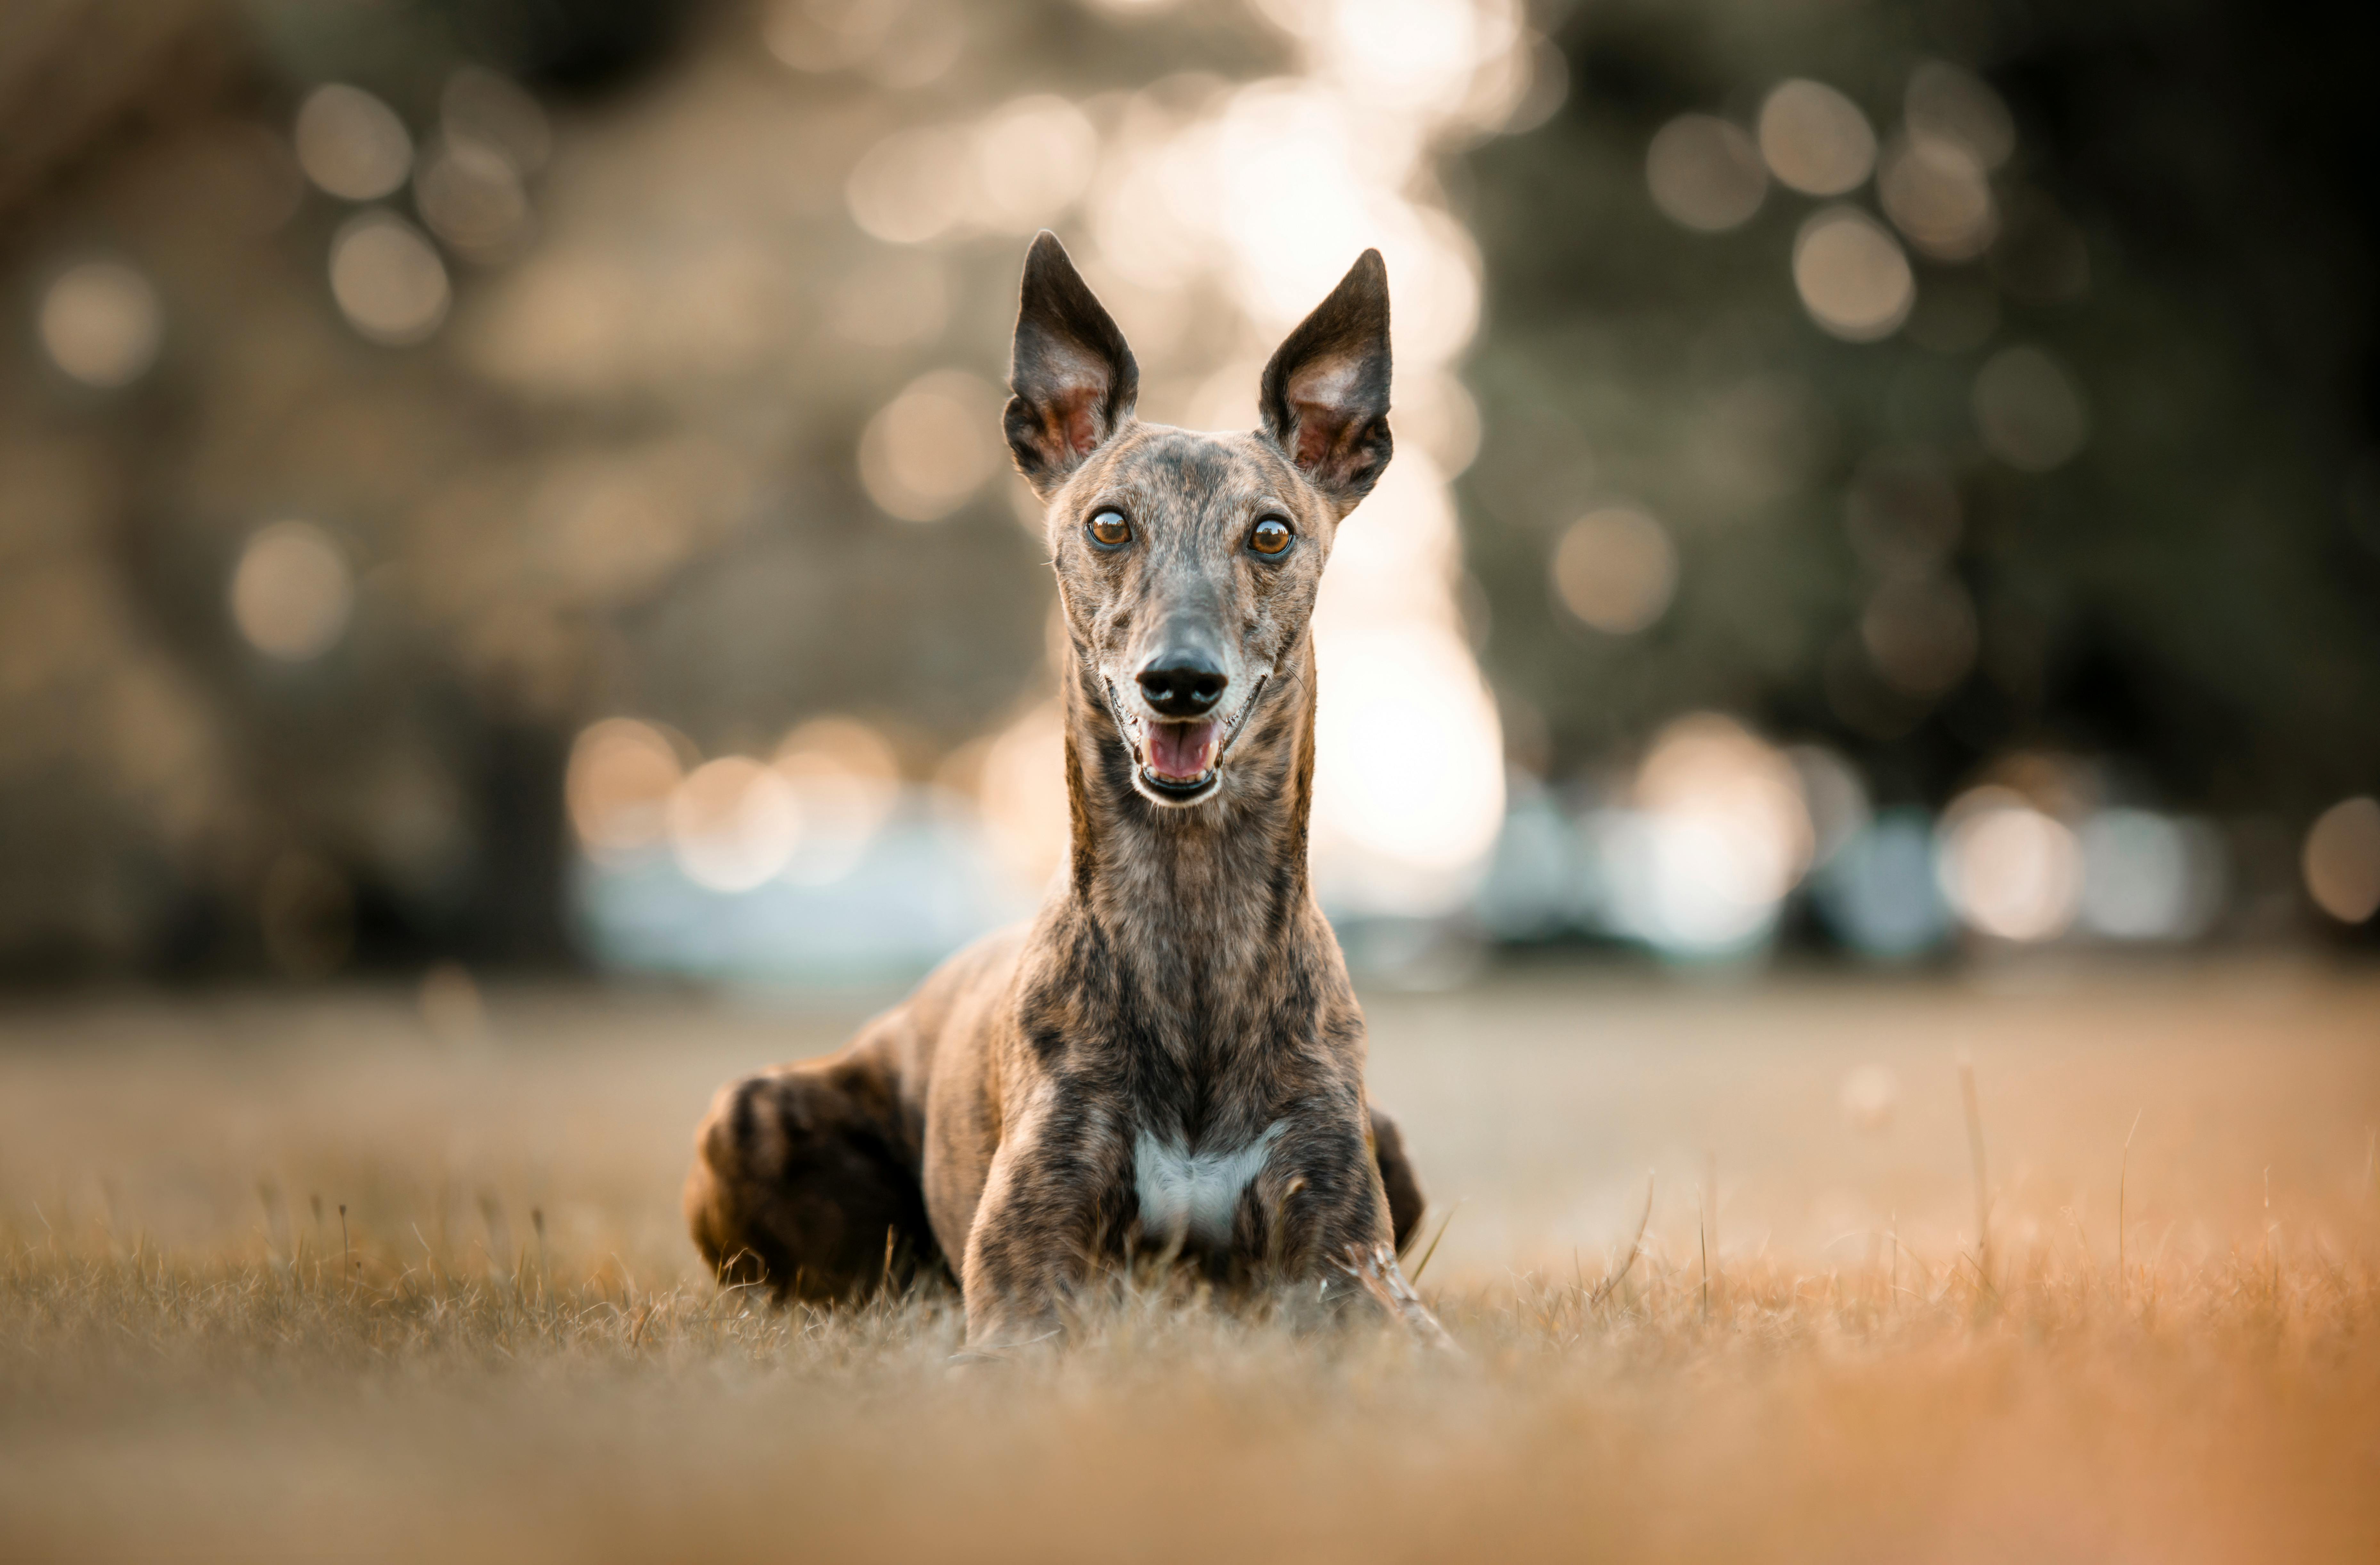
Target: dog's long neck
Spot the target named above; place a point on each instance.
(1198, 899)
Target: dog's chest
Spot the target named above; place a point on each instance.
(1190, 1196)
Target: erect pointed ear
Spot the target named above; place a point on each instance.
(1325, 395)
(1075, 379)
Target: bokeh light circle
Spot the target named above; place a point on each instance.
(932, 447)
(2148, 876)
(1868, 1095)
(912, 186)
(292, 592)
(1021, 793)
(1852, 275)
(351, 144)
(470, 195)
(1719, 834)
(2029, 410)
(1955, 105)
(1704, 174)
(2342, 860)
(1935, 192)
(2009, 870)
(101, 324)
(846, 781)
(732, 823)
(1032, 159)
(388, 280)
(481, 107)
(1814, 139)
(1616, 569)
(618, 783)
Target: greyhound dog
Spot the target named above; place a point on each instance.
(1171, 1056)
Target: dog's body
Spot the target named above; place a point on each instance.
(1171, 1056)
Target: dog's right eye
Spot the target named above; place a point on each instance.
(1110, 530)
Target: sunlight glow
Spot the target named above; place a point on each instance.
(1269, 191)
(1021, 793)
(1414, 56)
(1409, 780)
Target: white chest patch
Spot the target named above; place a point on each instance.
(1189, 1197)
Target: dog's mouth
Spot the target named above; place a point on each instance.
(1181, 756)
(1181, 762)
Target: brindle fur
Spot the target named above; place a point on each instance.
(1181, 982)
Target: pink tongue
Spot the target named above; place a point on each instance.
(1181, 752)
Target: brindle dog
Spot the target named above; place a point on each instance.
(1171, 1056)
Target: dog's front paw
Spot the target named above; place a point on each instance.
(1375, 1270)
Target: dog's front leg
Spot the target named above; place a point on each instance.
(1324, 1223)
(1052, 1183)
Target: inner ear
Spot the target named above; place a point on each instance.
(1073, 377)
(1319, 397)
(1325, 394)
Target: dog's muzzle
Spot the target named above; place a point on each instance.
(1177, 762)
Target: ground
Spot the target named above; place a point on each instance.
(2165, 1345)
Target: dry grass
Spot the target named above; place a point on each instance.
(1812, 1357)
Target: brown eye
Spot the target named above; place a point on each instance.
(1110, 530)
(1272, 536)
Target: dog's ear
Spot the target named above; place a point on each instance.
(1325, 395)
(1075, 379)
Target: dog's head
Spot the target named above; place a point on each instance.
(1187, 563)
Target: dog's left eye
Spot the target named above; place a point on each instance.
(1272, 536)
(1109, 529)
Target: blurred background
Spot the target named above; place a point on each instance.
(511, 487)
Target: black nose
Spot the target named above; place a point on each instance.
(1182, 684)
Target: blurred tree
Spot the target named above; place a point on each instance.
(2106, 485)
